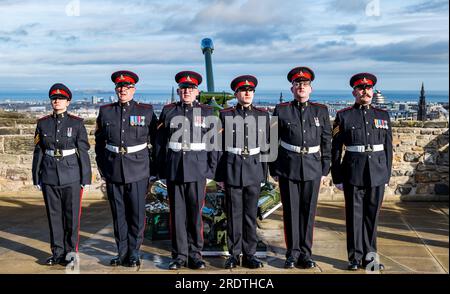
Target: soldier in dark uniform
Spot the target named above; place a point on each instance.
(186, 164)
(242, 171)
(366, 133)
(61, 169)
(124, 131)
(304, 158)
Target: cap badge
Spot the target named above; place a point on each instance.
(188, 79)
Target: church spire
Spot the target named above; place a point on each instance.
(422, 113)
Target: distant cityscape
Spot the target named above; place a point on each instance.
(87, 107)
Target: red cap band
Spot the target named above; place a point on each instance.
(125, 79)
(363, 82)
(301, 74)
(246, 83)
(188, 79)
(60, 92)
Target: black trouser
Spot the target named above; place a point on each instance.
(242, 209)
(299, 210)
(127, 203)
(186, 225)
(362, 207)
(63, 205)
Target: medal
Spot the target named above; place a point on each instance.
(316, 119)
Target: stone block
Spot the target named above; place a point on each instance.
(424, 189)
(427, 177)
(17, 174)
(411, 157)
(9, 131)
(18, 145)
(436, 124)
(441, 189)
(443, 158)
(403, 190)
(426, 132)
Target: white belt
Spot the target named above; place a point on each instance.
(240, 151)
(123, 150)
(301, 150)
(60, 153)
(362, 149)
(187, 146)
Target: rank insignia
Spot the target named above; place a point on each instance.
(317, 121)
(36, 139)
(336, 129)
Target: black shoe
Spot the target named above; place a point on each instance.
(134, 261)
(196, 264)
(176, 264)
(117, 261)
(307, 263)
(232, 262)
(51, 261)
(354, 265)
(252, 262)
(290, 262)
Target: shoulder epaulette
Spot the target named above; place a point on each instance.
(144, 105)
(260, 109)
(45, 117)
(74, 116)
(227, 109)
(107, 105)
(285, 104)
(318, 104)
(345, 109)
(379, 109)
(205, 106)
(171, 105)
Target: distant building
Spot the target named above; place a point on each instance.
(37, 109)
(422, 112)
(378, 97)
(94, 100)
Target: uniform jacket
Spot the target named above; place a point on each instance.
(126, 125)
(305, 125)
(184, 166)
(238, 170)
(362, 126)
(61, 132)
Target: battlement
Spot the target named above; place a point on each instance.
(420, 168)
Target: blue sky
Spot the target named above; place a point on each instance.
(403, 42)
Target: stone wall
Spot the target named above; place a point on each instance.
(420, 168)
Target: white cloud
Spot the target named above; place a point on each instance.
(39, 41)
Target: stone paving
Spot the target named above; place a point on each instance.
(413, 238)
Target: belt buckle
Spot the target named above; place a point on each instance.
(245, 152)
(57, 153)
(186, 146)
(122, 150)
(368, 148)
(304, 150)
